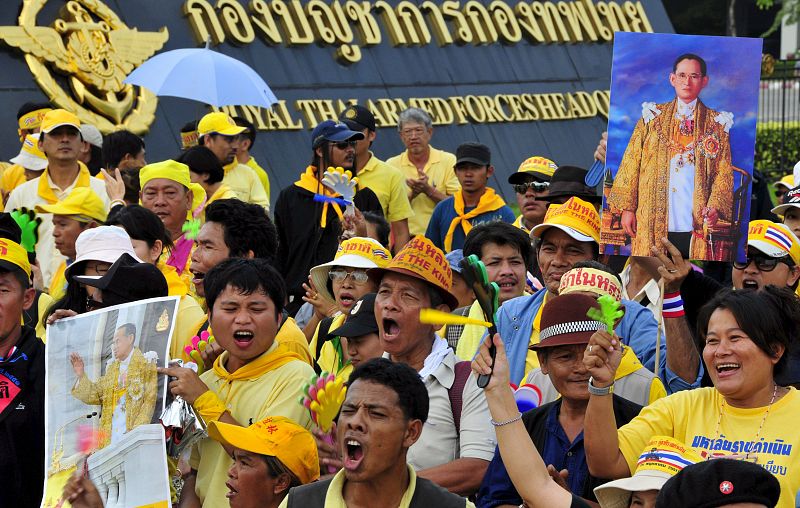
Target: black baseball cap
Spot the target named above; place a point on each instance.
(475, 153)
(127, 280)
(358, 118)
(360, 321)
(720, 482)
(568, 181)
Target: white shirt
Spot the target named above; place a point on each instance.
(119, 424)
(681, 180)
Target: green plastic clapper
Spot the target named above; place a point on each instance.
(486, 293)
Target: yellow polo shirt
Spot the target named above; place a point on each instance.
(261, 173)
(441, 175)
(58, 284)
(335, 496)
(274, 393)
(389, 184)
(244, 182)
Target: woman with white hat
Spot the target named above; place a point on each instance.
(337, 286)
(97, 249)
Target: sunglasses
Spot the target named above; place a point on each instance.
(522, 188)
(357, 276)
(344, 145)
(763, 263)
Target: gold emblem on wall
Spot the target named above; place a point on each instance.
(82, 58)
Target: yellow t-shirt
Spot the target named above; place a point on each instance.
(45, 301)
(58, 284)
(12, 178)
(389, 184)
(691, 416)
(335, 496)
(329, 358)
(189, 319)
(272, 394)
(293, 339)
(261, 173)
(441, 175)
(244, 182)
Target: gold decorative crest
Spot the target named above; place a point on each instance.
(163, 322)
(94, 51)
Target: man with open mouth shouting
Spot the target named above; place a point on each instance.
(457, 442)
(382, 417)
(255, 377)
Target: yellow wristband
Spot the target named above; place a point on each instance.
(209, 406)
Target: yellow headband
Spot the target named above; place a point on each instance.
(591, 280)
(32, 120)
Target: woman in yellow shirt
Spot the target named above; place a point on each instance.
(744, 337)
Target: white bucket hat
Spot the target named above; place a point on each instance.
(356, 252)
(103, 243)
(30, 157)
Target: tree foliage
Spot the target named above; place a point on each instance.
(790, 10)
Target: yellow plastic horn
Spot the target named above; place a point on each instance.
(437, 317)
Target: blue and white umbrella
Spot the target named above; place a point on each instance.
(203, 75)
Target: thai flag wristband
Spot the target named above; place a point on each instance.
(673, 305)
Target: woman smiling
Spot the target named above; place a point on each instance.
(743, 337)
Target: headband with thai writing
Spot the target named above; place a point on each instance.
(592, 280)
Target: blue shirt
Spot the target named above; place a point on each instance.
(445, 212)
(497, 488)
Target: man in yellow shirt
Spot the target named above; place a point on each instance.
(246, 141)
(61, 142)
(530, 183)
(220, 134)
(382, 416)
(235, 229)
(29, 118)
(255, 377)
(386, 181)
(430, 174)
(81, 210)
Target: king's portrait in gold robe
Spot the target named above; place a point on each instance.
(126, 392)
(676, 174)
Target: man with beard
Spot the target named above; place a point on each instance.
(308, 230)
(382, 417)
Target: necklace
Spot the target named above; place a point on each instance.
(760, 427)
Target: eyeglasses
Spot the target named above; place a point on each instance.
(357, 276)
(682, 76)
(344, 145)
(763, 263)
(522, 188)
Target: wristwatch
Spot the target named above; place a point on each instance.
(593, 390)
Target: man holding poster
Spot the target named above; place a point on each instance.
(679, 154)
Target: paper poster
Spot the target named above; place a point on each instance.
(681, 140)
(101, 375)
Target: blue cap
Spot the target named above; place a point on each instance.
(332, 131)
(454, 257)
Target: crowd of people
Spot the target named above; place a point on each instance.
(701, 363)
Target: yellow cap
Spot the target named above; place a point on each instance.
(175, 171)
(662, 458)
(82, 204)
(33, 119)
(14, 257)
(536, 166)
(356, 252)
(275, 436)
(577, 218)
(421, 259)
(787, 181)
(30, 157)
(58, 117)
(218, 123)
(591, 280)
(774, 240)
